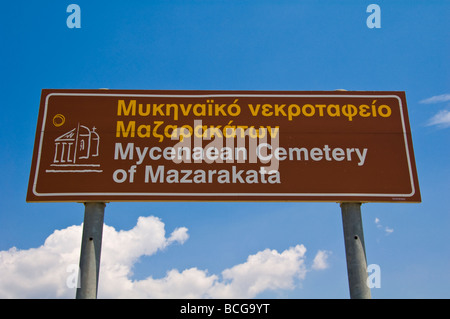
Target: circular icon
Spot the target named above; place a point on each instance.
(58, 120)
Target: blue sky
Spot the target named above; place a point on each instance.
(212, 248)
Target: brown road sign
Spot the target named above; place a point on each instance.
(122, 145)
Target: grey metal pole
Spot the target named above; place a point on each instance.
(355, 251)
(91, 245)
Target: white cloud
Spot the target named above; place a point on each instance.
(266, 270)
(179, 235)
(320, 261)
(40, 272)
(44, 272)
(145, 239)
(442, 118)
(436, 99)
(386, 229)
(190, 283)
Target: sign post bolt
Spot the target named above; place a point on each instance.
(91, 245)
(355, 251)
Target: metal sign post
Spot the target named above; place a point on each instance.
(91, 245)
(355, 251)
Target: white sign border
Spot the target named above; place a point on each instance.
(393, 196)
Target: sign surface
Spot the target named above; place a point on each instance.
(121, 145)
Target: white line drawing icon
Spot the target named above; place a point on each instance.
(75, 151)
